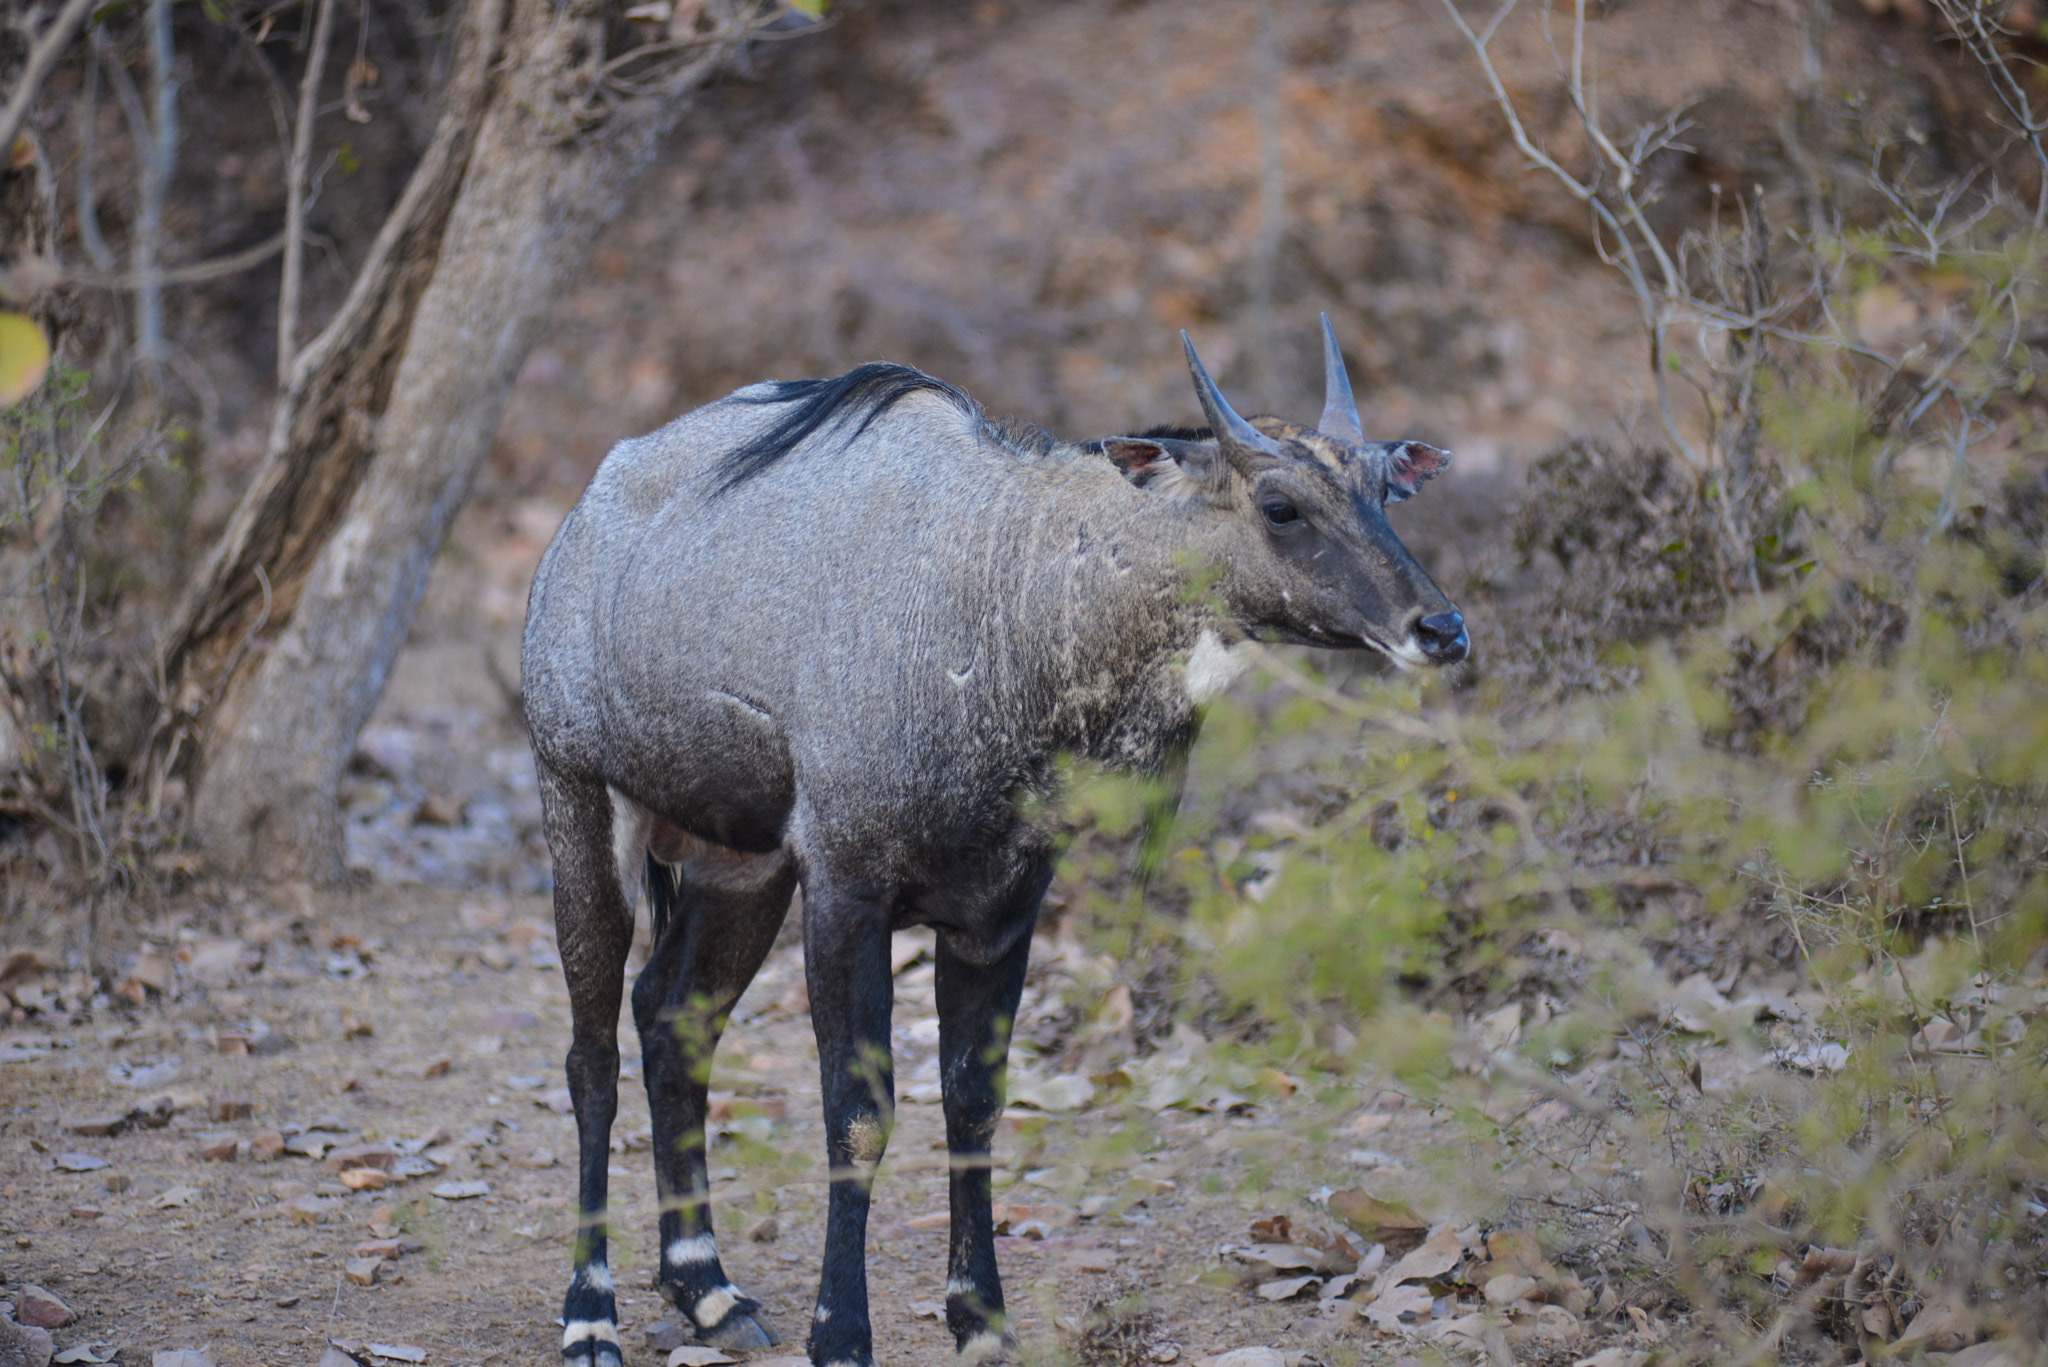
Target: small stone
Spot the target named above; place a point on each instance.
(79, 1162)
(462, 1191)
(181, 1357)
(363, 1271)
(378, 1156)
(365, 1179)
(218, 1147)
(40, 1309)
(98, 1126)
(432, 1068)
(25, 1344)
(117, 1182)
(665, 1336)
(266, 1146)
(228, 1108)
(764, 1230)
(86, 1212)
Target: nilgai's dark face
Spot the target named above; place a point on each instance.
(1313, 560)
(1329, 570)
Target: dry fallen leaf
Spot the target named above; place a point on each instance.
(1438, 1254)
(1386, 1311)
(1287, 1288)
(697, 1355)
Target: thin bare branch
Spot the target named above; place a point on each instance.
(41, 58)
(295, 195)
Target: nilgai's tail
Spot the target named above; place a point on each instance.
(664, 892)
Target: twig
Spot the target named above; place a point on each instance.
(88, 153)
(295, 196)
(193, 274)
(1588, 194)
(158, 154)
(40, 59)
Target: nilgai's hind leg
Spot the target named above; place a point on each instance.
(846, 966)
(593, 930)
(977, 1004)
(715, 914)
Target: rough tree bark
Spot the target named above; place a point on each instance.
(283, 646)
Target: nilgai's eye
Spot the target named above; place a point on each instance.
(1280, 514)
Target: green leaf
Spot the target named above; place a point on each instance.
(809, 9)
(24, 357)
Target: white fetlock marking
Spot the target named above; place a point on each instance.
(712, 1306)
(960, 1286)
(578, 1331)
(593, 1277)
(694, 1251)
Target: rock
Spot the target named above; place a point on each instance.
(98, 1126)
(764, 1230)
(462, 1191)
(217, 1147)
(266, 1146)
(36, 1308)
(227, 1108)
(79, 1162)
(24, 1345)
(665, 1336)
(378, 1156)
(365, 1179)
(117, 1182)
(363, 1271)
(181, 1357)
(86, 1212)
(1245, 1357)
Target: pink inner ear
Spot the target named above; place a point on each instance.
(1413, 462)
(1141, 461)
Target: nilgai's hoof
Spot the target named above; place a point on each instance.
(740, 1330)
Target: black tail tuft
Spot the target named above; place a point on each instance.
(664, 892)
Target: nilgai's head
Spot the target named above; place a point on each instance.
(1312, 558)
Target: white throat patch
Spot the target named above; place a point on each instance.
(1213, 666)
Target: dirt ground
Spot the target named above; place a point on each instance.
(434, 1023)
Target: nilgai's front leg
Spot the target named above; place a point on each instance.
(846, 966)
(593, 930)
(719, 914)
(977, 1006)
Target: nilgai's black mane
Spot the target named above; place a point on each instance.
(867, 391)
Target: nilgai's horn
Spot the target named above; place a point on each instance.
(1230, 429)
(1340, 410)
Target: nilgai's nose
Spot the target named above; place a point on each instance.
(1443, 638)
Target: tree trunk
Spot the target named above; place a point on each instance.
(555, 149)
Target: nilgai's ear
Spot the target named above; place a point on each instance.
(1168, 465)
(1410, 465)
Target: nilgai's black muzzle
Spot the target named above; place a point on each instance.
(1442, 638)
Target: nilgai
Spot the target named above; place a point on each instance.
(838, 634)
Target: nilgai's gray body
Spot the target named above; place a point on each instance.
(833, 631)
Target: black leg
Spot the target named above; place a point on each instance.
(593, 930)
(720, 912)
(846, 959)
(977, 1004)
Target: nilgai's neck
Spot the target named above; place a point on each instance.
(1101, 593)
